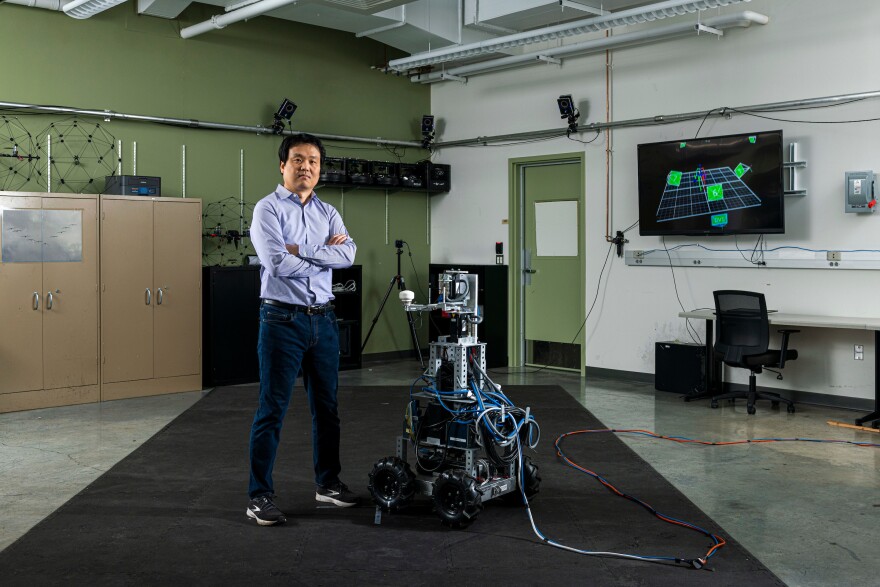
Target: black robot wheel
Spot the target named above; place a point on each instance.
(456, 498)
(392, 483)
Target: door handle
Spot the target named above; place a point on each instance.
(36, 300)
(159, 296)
(48, 300)
(527, 267)
(148, 295)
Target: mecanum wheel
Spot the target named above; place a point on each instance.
(392, 483)
(456, 499)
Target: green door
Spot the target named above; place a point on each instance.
(551, 229)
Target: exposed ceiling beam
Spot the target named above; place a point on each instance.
(651, 12)
(741, 20)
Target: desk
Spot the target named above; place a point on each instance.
(713, 365)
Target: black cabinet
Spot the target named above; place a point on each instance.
(347, 285)
(230, 325)
(680, 367)
(231, 322)
(492, 300)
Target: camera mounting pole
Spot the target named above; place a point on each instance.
(401, 285)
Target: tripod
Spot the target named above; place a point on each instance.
(401, 285)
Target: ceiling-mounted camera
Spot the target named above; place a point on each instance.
(285, 112)
(427, 130)
(568, 110)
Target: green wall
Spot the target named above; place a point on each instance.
(127, 63)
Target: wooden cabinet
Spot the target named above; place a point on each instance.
(48, 300)
(150, 295)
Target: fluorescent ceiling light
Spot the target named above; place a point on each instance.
(86, 8)
(639, 15)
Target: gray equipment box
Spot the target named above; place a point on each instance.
(133, 185)
(859, 192)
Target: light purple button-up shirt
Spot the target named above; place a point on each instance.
(307, 279)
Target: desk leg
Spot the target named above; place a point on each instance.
(875, 415)
(713, 368)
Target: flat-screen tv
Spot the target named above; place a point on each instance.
(712, 186)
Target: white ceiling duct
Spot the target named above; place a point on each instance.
(642, 14)
(86, 8)
(47, 4)
(77, 9)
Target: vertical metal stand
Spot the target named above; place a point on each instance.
(401, 285)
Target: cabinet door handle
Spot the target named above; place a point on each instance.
(159, 296)
(148, 295)
(36, 300)
(48, 300)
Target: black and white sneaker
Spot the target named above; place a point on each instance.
(337, 494)
(263, 510)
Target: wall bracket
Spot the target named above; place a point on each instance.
(791, 166)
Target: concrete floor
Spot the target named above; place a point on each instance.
(809, 511)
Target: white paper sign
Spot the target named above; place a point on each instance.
(556, 229)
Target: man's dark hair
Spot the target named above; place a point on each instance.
(300, 139)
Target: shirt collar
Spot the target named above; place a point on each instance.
(282, 193)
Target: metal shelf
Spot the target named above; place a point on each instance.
(794, 259)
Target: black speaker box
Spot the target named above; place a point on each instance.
(412, 175)
(680, 367)
(384, 173)
(333, 170)
(439, 177)
(358, 171)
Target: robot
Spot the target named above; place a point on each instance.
(465, 437)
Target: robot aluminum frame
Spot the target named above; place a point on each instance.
(457, 353)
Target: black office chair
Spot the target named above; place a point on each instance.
(742, 337)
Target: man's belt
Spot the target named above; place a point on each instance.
(308, 310)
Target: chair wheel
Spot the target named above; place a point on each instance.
(714, 403)
(751, 410)
(791, 408)
(774, 403)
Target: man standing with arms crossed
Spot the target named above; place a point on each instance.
(299, 240)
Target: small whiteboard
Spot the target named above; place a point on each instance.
(556, 229)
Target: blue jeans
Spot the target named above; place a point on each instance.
(291, 343)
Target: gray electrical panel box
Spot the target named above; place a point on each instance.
(859, 192)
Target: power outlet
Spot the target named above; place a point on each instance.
(859, 352)
(833, 255)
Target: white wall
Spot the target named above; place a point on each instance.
(809, 49)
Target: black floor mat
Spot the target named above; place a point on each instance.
(173, 512)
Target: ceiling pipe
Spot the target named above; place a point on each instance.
(662, 119)
(648, 13)
(222, 20)
(741, 20)
(108, 115)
